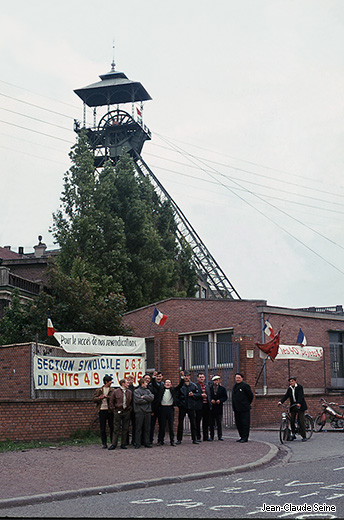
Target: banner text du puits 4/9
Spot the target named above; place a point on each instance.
(54, 373)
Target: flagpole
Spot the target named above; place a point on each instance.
(265, 388)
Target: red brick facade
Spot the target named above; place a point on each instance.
(24, 417)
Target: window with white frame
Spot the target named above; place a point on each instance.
(224, 349)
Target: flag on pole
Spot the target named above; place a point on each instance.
(269, 331)
(301, 339)
(51, 330)
(158, 317)
(139, 113)
(270, 348)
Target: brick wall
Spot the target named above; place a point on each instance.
(15, 372)
(29, 420)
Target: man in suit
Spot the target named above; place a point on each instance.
(203, 408)
(187, 397)
(218, 395)
(155, 384)
(242, 397)
(297, 407)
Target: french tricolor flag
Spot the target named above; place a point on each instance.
(301, 339)
(158, 317)
(269, 331)
(50, 327)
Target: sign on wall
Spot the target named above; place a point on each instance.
(62, 373)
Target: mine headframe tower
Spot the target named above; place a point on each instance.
(116, 132)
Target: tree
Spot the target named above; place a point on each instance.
(126, 237)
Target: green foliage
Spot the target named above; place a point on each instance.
(118, 251)
(123, 236)
(14, 326)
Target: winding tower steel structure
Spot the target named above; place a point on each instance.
(116, 132)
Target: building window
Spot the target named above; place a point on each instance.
(199, 350)
(150, 363)
(337, 359)
(224, 349)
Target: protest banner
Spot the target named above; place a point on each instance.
(85, 343)
(297, 352)
(63, 373)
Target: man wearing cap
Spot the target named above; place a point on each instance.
(297, 407)
(242, 397)
(218, 395)
(102, 397)
(187, 396)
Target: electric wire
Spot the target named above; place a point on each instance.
(271, 220)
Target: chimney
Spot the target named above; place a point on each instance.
(21, 250)
(40, 247)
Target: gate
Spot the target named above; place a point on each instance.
(212, 358)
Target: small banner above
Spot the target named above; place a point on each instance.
(297, 352)
(85, 343)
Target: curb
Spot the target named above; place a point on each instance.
(139, 484)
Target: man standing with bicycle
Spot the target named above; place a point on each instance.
(298, 407)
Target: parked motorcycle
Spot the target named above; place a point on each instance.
(336, 418)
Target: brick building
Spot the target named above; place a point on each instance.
(215, 336)
(23, 271)
(237, 326)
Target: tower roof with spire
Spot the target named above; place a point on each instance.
(114, 88)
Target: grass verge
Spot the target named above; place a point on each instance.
(79, 437)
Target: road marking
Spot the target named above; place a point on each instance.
(278, 493)
(217, 508)
(206, 489)
(337, 469)
(147, 501)
(298, 483)
(187, 503)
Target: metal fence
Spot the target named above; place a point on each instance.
(212, 358)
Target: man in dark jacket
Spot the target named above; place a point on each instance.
(155, 384)
(242, 397)
(297, 407)
(218, 395)
(187, 396)
(203, 408)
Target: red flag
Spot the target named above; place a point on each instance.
(51, 330)
(270, 348)
(138, 112)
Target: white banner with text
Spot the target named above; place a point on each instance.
(62, 373)
(297, 352)
(85, 343)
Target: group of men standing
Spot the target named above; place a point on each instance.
(154, 400)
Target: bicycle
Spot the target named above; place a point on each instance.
(285, 431)
(336, 418)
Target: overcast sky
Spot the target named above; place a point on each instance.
(246, 118)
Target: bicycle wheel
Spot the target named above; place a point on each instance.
(284, 431)
(308, 426)
(319, 423)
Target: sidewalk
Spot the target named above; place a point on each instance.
(47, 474)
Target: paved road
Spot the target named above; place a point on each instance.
(310, 477)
